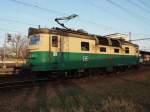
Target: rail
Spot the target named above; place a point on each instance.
(16, 84)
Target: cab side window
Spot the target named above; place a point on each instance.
(127, 50)
(34, 40)
(102, 49)
(85, 46)
(54, 41)
(116, 50)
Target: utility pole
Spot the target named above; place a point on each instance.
(130, 37)
(17, 49)
(4, 52)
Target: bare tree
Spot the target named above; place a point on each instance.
(18, 46)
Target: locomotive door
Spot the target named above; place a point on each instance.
(58, 51)
(64, 49)
(54, 49)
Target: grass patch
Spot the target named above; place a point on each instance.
(41, 104)
(120, 105)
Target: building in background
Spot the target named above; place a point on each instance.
(119, 36)
(144, 56)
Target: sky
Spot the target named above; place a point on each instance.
(100, 17)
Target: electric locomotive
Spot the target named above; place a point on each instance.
(65, 50)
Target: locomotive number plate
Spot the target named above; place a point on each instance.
(85, 58)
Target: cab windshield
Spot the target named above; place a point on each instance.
(34, 40)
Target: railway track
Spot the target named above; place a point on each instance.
(23, 83)
(35, 81)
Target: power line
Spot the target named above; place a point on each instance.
(110, 13)
(10, 30)
(140, 39)
(145, 49)
(143, 3)
(140, 34)
(98, 24)
(133, 14)
(37, 6)
(138, 6)
(58, 12)
(96, 6)
(53, 11)
(119, 6)
(16, 21)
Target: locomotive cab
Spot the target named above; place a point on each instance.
(34, 41)
(44, 48)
